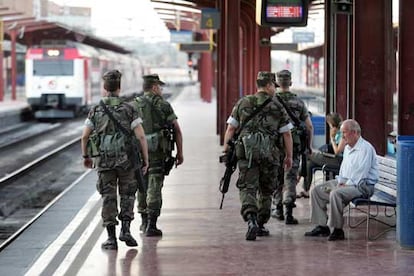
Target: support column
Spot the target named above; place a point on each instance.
(221, 76)
(1, 61)
(264, 51)
(338, 53)
(406, 63)
(372, 19)
(206, 73)
(13, 63)
(342, 96)
(230, 61)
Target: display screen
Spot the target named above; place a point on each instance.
(284, 12)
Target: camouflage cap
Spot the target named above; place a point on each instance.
(264, 75)
(284, 75)
(112, 75)
(153, 78)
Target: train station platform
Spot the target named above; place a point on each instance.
(13, 111)
(198, 237)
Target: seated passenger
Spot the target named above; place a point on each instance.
(357, 177)
(318, 159)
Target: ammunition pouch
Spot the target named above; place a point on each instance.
(92, 146)
(153, 141)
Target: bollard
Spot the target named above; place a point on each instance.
(319, 138)
(405, 191)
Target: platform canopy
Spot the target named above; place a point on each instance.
(30, 31)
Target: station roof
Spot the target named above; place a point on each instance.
(30, 31)
(186, 14)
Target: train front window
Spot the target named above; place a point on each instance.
(53, 67)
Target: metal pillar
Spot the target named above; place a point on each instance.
(1, 60)
(13, 63)
(206, 74)
(406, 63)
(229, 64)
(372, 19)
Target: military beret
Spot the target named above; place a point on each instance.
(153, 78)
(284, 75)
(112, 75)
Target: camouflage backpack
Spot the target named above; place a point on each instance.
(114, 148)
(295, 108)
(258, 145)
(154, 124)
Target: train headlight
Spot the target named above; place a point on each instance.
(53, 53)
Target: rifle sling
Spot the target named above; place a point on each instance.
(290, 113)
(254, 113)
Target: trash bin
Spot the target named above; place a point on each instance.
(319, 138)
(405, 191)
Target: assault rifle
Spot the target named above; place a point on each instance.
(230, 158)
(303, 133)
(169, 133)
(135, 158)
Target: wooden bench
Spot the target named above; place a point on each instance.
(384, 198)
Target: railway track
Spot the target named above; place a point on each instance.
(34, 185)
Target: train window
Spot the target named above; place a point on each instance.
(52, 67)
(283, 13)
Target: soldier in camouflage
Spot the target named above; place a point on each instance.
(258, 151)
(158, 116)
(285, 194)
(115, 171)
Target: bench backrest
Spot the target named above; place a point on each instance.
(387, 169)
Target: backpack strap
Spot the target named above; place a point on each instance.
(289, 111)
(115, 121)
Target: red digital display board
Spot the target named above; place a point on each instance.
(282, 12)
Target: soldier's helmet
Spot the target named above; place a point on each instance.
(153, 78)
(284, 76)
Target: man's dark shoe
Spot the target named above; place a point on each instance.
(319, 231)
(263, 231)
(252, 227)
(337, 235)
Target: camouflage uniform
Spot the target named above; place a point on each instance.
(287, 181)
(157, 114)
(256, 175)
(115, 172)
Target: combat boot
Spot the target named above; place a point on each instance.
(263, 231)
(125, 234)
(144, 222)
(289, 216)
(252, 227)
(152, 230)
(110, 243)
(278, 212)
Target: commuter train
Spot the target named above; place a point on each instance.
(64, 78)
